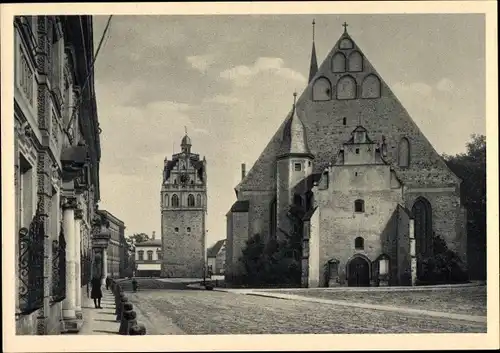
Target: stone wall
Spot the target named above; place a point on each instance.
(183, 251)
(340, 225)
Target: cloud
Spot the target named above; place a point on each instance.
(241, 75)
(222, 99)
(415, 87)
(201, 62)
(445, 85)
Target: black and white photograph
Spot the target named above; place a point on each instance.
(217, 173)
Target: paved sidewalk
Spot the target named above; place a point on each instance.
(99, 321)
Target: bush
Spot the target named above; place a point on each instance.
(270, 264)
(444, 266)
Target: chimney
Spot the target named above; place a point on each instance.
(153, 236)
(243, 171)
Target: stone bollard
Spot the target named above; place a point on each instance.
(118, 294)
(138, 329)
(128, 320)
(123, 300)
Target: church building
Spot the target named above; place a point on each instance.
(183, 211)
(349, 162)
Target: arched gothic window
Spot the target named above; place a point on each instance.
(322, 89)
(355, 63)
(166, 201)
(198, 200)
(346, 43)
(346, 88)
(359, 243)
(370, 87)
(175, 201)
(404, 152)
(338, 63)
(297, 200)
(359, 206)
(190, 200)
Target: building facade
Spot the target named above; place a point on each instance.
(216, 258)
(183, 212)
(116, 248)
(352, 173)
(57, 154)
(148, 258)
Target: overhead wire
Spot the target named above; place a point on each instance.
(90, 72)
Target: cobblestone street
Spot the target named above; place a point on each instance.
(175, 311)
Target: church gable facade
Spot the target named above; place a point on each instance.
(346, 93)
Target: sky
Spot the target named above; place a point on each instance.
(229, 81)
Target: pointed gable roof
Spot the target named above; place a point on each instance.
(294, 139)
(214, 250)
(382, 114)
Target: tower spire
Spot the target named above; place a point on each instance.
(313, 69)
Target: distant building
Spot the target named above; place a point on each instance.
(116, 248)
(148, 258)
(183, 212)
(216, 258)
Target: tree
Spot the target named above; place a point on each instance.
(137, 238)
(471, 168)
(274, 262)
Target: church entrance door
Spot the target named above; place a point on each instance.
(358, 273)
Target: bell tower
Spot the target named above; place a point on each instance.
(183, 213)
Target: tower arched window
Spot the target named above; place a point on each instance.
(166, 201)
(404, 152)
(198, 200)
(355, 62)
(175, 201)
(190, 200)
(370, 87)
(322, 89)
(338, 63)
(359, 243)
(359, 206)
(346, 88)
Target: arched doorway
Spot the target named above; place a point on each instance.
(358, 272)
(422, 228)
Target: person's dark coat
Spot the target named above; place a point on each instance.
(96, 292)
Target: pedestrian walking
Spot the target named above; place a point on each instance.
(108, 282)
(96, 292)
(134, 285)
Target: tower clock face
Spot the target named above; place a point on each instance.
(184, 178)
